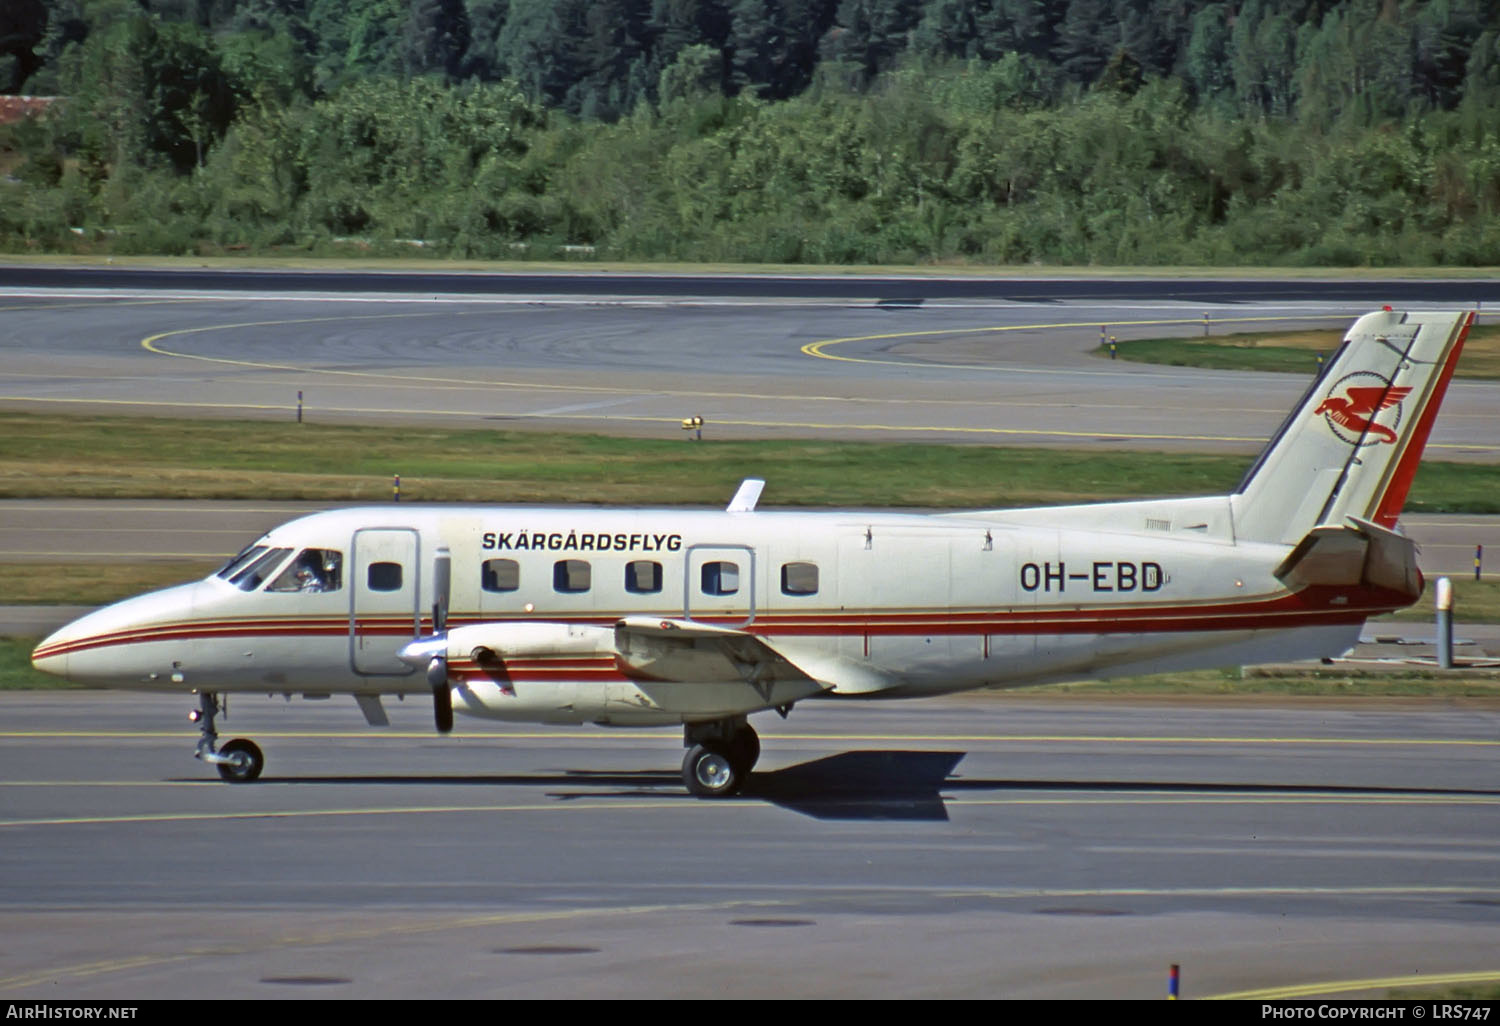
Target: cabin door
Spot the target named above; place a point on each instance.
(384, 608)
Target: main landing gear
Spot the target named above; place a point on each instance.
(239, 761)
(720, 756)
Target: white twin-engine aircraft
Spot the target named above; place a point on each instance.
(641, 617)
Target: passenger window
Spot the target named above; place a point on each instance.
(385, 577)
(571, 575)
(799, 578)
(500, 575)
(314, 570)
(721, 578)
(643, 577)
(255, 573)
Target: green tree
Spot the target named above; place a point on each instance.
(435, 37)
(23, 23)
(1086, 38)
(1264, 49)
(1207, 63)
(678, 24)
(697, 71)
(267, 67)
(1443, 32)
(612, 64)
(773, 44)
(539, 47)
(486, 19)
(355, 39)
(1356, 62)
(142, 91)
(871, 33)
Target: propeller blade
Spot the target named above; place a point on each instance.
(442, 698)
(442, 579)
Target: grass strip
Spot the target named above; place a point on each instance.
(17, 673)
(46, 456)
(96, 582)
(356, 261)
(1287, 352)
(1473, 602)
(1313, 682)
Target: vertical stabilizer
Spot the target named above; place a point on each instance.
(1352, 446)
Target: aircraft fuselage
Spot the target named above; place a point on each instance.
(868, 604)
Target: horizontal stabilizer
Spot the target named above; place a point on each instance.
(1360, 554)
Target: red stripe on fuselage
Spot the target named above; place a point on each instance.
(1307, 608)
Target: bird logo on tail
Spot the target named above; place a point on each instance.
(1352, 413)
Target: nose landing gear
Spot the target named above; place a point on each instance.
(239, 761)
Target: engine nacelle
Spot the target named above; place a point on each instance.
(530, 640)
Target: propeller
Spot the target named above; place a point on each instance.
(437, 667)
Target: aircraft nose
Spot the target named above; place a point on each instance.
(51, 656)
(57, 653)
(105, 647)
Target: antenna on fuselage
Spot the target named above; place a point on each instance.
(748, 495)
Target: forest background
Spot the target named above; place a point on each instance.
(1150, 132)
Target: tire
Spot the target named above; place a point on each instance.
(246, 768)
(744, 750)
(709, 772)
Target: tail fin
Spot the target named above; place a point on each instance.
(1351, 446)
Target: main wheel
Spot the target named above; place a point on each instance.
(709, 772)
(246, 761)
(744, 750)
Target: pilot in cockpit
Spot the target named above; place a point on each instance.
(314, 570)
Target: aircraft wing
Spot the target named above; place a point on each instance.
(649, 648)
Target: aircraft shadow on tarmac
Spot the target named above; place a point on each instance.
(862, 785)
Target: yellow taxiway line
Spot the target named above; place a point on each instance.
(1326, 988)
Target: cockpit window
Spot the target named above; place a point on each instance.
(313, 570)
(255, 571)
(247, 556)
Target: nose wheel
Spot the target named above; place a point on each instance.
(719, 758)
(239, 761)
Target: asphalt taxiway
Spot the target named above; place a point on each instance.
(985, 368)
(969, 847)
